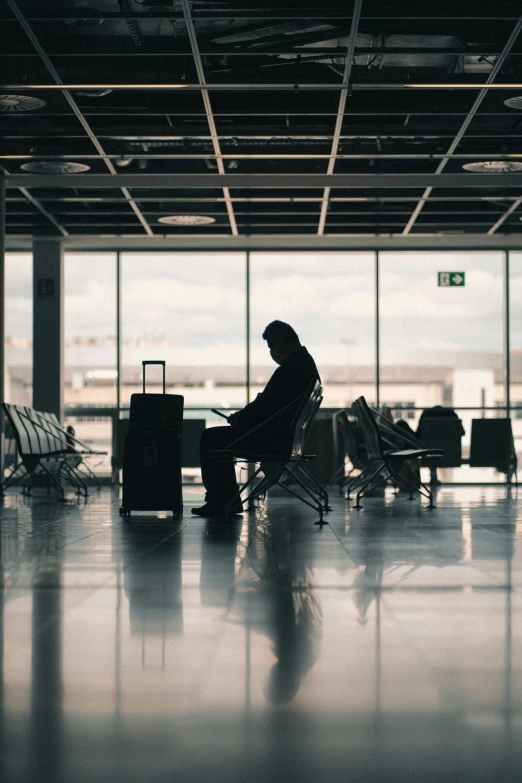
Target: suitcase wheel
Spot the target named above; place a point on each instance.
(124, 512)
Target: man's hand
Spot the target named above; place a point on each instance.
(233, 419)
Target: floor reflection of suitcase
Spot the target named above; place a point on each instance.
(152, 453)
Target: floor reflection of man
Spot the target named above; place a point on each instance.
(273, 594)
(365, 549)
(218, 558)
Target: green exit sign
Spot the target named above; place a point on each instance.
(452, 279)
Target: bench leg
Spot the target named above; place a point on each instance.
(315, 503)
(366, 483)
(11, 480)
(427, 492)
(313, 484)
(54, 481)
(361, 492)
(233, 502)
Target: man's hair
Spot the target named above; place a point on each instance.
(277, 331)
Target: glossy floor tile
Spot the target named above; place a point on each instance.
(385, 646)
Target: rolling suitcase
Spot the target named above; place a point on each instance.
(152, 452)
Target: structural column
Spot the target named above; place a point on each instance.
(48, 325)
(2, 321)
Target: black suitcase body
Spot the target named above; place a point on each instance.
(152, 453)
(152, 472)
(156, 413)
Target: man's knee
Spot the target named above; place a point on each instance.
(215, 438)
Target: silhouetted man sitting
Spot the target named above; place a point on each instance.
(285, 389)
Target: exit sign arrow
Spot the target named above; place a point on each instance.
(451, 279)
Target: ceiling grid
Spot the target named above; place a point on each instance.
(467, 122)
(208, 109)
(229, 119)
(74, 106)
(357, 9)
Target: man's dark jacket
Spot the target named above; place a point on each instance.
(288, 383)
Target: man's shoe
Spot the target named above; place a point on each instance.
(215, 512)
(208, 510)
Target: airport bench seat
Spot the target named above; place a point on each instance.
(47, 451)
(282, 469)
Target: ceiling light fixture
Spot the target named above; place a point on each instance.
(494, 166)
(514, 103)
(18, 103)
(54, 167)
(186, 220)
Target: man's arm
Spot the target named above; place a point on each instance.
(266, 403)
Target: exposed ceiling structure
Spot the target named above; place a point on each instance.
(245, 104)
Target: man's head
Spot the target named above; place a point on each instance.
(282, 341)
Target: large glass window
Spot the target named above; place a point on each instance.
(90, 330)
(19, 328)
(442, 337)
(439, 344)
(188, 309)
(329, 299)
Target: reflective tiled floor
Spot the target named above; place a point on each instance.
(384, 646)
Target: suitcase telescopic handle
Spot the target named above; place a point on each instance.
(144, 364)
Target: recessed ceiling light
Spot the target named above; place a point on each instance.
(17, 103)
(514, 103)
(494, 166)
(54, 167)
(186, 220)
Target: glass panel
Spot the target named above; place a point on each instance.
(19, 328)
(96, 432)
(515, 291)
(329, 299)
(189, 310)
(443, 344)
(90, 329)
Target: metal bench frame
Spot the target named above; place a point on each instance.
(45, 449)
(382, 465)
(281, 469)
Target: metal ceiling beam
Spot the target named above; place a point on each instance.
(457, 83)
(469, 156)
(505, 216)
(274, 181)
(357, 9)
(208, 109)
(467, 122)
(39, 206)
(279, 242)
(264, 11)
(302, 51)
(266, 200)
(74, 106)
(303, 136)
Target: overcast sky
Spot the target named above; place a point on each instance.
(196, 302)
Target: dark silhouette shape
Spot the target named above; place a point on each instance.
(274, 595)
(437, 411)
(291, 379)
(70, 437)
